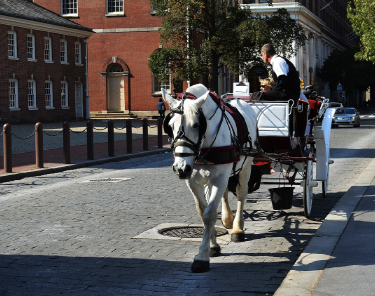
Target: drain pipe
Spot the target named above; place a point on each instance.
(87, 81)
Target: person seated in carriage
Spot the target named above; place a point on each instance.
(286, 79)
(266, 84)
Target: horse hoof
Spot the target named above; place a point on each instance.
(200, 266)
(238, 237)
(215, 252)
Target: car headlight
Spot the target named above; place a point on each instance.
(334, 117)
(353, 117)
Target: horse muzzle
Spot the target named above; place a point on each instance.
(183, 173)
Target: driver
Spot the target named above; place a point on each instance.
(286, 79)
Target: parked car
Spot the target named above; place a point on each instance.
(346, 116)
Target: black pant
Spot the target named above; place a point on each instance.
(273, 95)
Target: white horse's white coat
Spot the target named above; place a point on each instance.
(208, 183)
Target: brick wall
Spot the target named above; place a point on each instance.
(132, 48)
(38, 70)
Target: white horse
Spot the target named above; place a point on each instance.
(208, 183)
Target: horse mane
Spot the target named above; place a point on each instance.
(190, 111)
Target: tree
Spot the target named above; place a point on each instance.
(361, 14)
(200, 36)
(358, 74)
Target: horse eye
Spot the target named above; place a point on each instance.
(195, 125)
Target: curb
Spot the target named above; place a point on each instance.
(306, 272)
(87, 163)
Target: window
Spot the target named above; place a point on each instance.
(30, 47)
(48, 49)
(64, 94)
(48, 94)
(63, 51)
(12, 44)
(13, 93)
(157, 85)
(115, 7)
(69, 7)
(31, 94)
(78, 53)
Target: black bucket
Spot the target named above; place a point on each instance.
(281, 197)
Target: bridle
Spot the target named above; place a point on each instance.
(181, 140)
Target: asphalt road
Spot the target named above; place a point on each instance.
(78, 233)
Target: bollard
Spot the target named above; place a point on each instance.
(66, 142)
(145, 133)
(39, 145)
(129, 136)
(160, 132)
(111, 138)
(7, 147)
(90, 140)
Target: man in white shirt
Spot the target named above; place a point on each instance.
(286, 79)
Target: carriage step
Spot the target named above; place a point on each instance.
(331, 161)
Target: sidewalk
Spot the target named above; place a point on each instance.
(340, 258)
(24, 163)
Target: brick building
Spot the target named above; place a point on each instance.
(43, 65)
(325, 24)
(120, 81)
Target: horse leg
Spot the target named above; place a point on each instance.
(226, 212)
(209, 217)
(201, 205)
(238, 234)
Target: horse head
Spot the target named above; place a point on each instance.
(186, 125)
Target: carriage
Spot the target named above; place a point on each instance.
(292, 147)
(229, 143)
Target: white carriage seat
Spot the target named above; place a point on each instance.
(273, 118)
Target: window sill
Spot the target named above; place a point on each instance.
(64, 63)
(50, 108)
(48, 62)
(109, 14)
(159, 94)
(70, 15)
(14, 109)
(33, 108)
(32, 60)
(13, 58)
(79, 64)
(64, 107)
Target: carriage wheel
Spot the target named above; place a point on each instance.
(308, 183)
(325, 186)
(325, 183)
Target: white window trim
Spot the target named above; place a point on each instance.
(68, 14)
(66, 51)
(15, 52)
(66, 105)
(154, 92)
(50, 106)
(79, 61)
(117, 13)
(16, 100)
(33, 107)
(33, 59)
(49, 39)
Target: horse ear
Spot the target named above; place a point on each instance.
(168, 98)
(200, 101)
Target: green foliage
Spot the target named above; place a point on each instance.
(361, 14)
(358, 74)
(200, 36)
